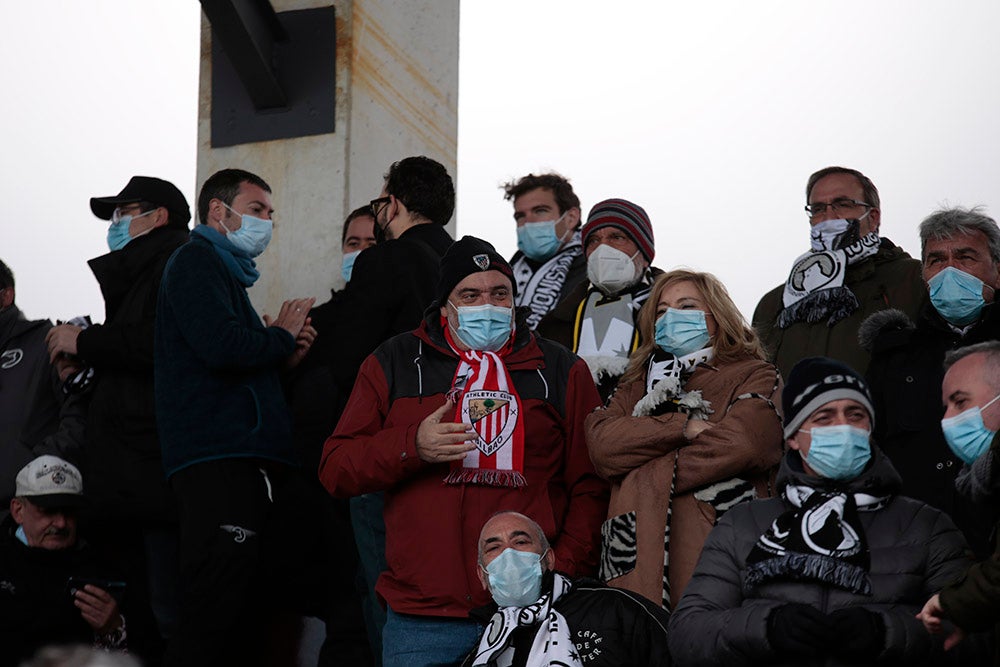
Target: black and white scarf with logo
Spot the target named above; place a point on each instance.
(819, 539)
(665, 376)
(815, 288)
(553, 643)
(541, 288)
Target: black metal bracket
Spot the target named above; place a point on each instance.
(273, 75)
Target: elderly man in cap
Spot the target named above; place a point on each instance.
(53, 587)
(597, 320)
(132, 507)
(468, 414)
(834, 570)
(541, 617)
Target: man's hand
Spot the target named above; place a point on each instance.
(66, 367)
(932, 616)
(441, 442)
(61, 339)
(303, 342)
(98, 609)
(292, 316)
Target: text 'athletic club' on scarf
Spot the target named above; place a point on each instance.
(486, 399)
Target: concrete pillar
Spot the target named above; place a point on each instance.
(396, 95)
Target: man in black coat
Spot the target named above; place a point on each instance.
(132, 507)
(961, 265)
(542, 617)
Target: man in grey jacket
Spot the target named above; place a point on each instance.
(834, 570)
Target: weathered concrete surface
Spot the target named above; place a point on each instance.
(397, 95)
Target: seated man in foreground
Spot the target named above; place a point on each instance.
(834, 570)
(541, 617)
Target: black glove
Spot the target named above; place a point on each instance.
(860, 634)
(797, 629)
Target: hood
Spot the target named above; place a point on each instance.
(879, 478)
(13, 324)
(882, 322)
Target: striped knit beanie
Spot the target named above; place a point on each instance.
(626, 216)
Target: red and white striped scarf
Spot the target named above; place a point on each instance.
(485, 399)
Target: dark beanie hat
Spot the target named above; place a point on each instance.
(466, 256)
(816, 381)
(626, 216)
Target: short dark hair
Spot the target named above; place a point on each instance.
(225, 185)
(991, 365)
(868, 189)
(364, 211)
(6, 276)
(424, 187)
(558, 185)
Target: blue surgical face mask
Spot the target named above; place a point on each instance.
(956, 295)
(538, 240)
(966, 433)
(485, 327)
(118, 234)
(515, 578)
(682, 332)
(253, 235)
(348, 265)
(839, 452)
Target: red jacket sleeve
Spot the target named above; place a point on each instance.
(362, 455)
(576, 549)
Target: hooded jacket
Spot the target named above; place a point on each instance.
(889, 279)
(432, 528)
(914, 548)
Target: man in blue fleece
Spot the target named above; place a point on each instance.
(224, 426)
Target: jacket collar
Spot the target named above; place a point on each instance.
(879, 478)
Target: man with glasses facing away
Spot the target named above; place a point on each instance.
(849, 272)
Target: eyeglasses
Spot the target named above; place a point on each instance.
(838, 206)
(122, 211)
(378, 204)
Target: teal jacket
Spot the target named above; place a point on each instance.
(218, 394)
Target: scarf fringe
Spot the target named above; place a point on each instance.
(610, 367)
(808, 567)
(832, 304)
(509, 478)
(665, 391)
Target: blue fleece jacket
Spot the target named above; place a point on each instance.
(218, 393)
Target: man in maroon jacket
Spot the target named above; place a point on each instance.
(467, 415)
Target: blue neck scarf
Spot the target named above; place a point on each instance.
(239, 263)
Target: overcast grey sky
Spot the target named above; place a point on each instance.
(710, 115)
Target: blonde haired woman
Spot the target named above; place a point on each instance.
(692, 430)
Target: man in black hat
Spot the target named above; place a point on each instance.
(131, 503)
(466, 415)
(832, 569)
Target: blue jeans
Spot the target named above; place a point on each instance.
(427, 641)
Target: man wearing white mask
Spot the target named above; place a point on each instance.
(971, 393)
(597, 320)
(468, 414)
(961, 265)
(539, 616)
(849, 272)
(832, 571)
(224, 427)
(549, 262)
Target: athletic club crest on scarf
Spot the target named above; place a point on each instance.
(487, 401)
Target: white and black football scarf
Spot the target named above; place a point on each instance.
(664, 385)
(815, 288)
(541, 289)
(819, 539)
(605, 333)
(553, 643)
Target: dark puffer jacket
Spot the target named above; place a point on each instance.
(905, 377)
(915, 550)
